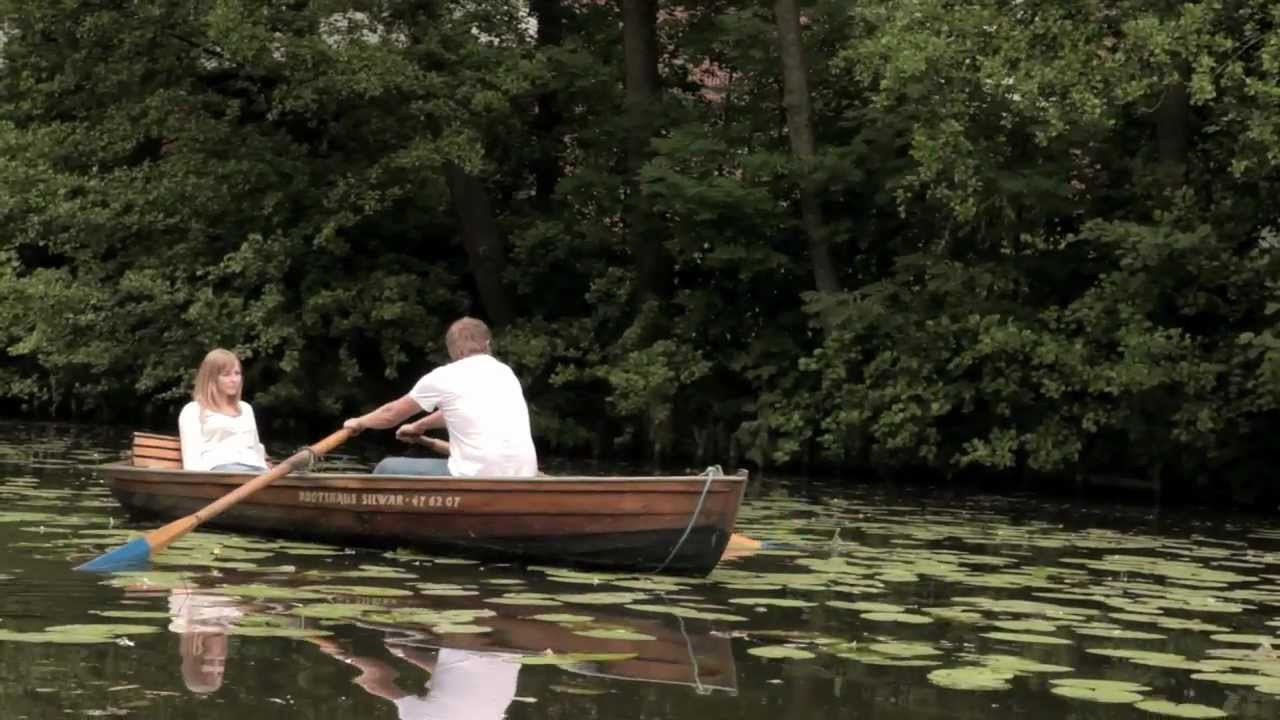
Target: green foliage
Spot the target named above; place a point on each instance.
(1055, 224)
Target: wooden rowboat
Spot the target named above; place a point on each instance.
(676, 524)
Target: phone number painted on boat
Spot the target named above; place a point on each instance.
(329, 497)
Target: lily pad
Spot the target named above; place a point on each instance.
(897, 617)
(78, 634)
(601, 598)
(614, 634)
(1017, 665)
(269, 592)
(772, 602)
(1028, 638)
(1180, 710)
(134, 614)
(1098, 695)
(361, 590)
(1116, 633)
(332, 611)
(686, 612)
(903, 649)
(276, 632)
(563, 618)
(781, 652)
(971, 678)
(572, 658)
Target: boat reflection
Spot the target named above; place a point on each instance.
(473, 675)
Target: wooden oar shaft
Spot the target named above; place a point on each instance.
(285, 467)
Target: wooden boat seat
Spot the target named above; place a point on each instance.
(157, 451)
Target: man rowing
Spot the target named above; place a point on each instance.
(477, 398)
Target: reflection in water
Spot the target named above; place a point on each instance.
(464, 684)
(887, 604)
(202, 620)
(473, 675)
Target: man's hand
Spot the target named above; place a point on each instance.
(354, 425)
(409, 432)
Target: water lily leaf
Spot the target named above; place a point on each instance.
(685, 612)
(563, 618)
(781, 652)
(774, 602)
(572, 658)
(960, 615)
(269, 592)
(1120, 685)
(332, 611)
(866, 606)
(1234, 678)
(276, 632)
(360, 590)
(1034, 626)
(134, 614)
(531, 599)
(1028, 638)
(1152, 659)
(971, 678)
(1180, 710)
(1098, 695)
(1017, 665)
(84, 634)
(1246, 639)
(601, 598)
(1116, 633)
(903, 649)
(614, 634)
(897, 617)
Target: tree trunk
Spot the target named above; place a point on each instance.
(796, 100)
(546, 121)
(1172, 119)
(643, 94)
(485, 248)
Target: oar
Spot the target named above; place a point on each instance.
(139, 550)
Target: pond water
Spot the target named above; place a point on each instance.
(868, 606)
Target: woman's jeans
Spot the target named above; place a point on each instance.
(433, 467)
(237, 467)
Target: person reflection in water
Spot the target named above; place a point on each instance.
(201, 621)
(464, 684)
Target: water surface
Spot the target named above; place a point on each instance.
(872, 605)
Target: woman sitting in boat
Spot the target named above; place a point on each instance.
(477, 399)
(217, 429)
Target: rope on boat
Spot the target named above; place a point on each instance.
(711, 473)
(310, 461)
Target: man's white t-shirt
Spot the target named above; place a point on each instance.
(485, 412)
(218, 439)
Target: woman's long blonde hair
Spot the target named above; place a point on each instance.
(205, 392)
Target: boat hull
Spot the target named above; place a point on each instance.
(627, 523)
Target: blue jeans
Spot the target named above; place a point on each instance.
(237, 467)
(431, 467)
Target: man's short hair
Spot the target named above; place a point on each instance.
(466, 337)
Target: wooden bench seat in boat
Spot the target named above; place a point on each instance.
(157, 451)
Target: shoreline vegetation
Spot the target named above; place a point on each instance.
(1028, 244)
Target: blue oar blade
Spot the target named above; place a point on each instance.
(132, 555)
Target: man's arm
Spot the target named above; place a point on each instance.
(389, 415)
(434, 421)
(412, 433)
